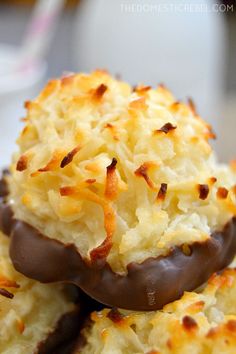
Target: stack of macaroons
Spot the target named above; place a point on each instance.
(201, 322)
(116, 190)
(34, 317)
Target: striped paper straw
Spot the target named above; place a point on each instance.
(39, 32)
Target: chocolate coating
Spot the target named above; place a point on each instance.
(3, 185)
(6, 214)
(63, 335)
(81, 340)
(146, 286)
(6, 218)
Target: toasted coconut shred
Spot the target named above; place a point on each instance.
(200, 322)
(144, 152)
(7, 283)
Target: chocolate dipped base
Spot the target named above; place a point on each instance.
(64, 334)
(146, 286)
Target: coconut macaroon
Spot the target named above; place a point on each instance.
(124, 175)
(31, 313)
(200, 322)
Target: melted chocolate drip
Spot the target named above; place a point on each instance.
(67, 333)
(146, 286)
(3, 185)
(61, 339)
(6, 218)
(6, 214)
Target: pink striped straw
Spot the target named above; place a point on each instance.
(39, 33)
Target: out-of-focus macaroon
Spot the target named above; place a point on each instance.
(34, 317)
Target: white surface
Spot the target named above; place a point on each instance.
(14, 91)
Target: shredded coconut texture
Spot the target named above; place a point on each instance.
(124, 174)
(201, 322)
(29, 311)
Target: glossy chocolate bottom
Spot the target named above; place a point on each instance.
(63, 335)
(146, 286)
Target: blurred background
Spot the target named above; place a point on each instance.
(188, 45)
